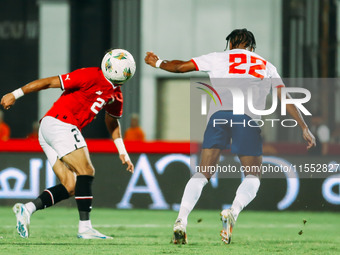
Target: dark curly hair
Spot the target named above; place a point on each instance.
(238, 36)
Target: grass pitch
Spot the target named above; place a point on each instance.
(54, 230)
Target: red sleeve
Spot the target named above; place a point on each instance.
(73, 80)
(193, 61)
(115, 107)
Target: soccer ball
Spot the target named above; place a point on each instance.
(118, 66)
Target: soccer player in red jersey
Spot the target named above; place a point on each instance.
(86, 92)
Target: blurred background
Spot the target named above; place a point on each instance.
(41, 38)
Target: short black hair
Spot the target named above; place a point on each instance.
(238, 36)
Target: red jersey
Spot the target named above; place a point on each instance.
(86, 92)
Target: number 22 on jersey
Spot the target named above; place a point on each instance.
(236, 60)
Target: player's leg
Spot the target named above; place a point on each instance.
(245, 193)
(248, 188)
(246, 141)
(49, 196)
(192, 193)
(57, 193)
(193, 189)
(61, 191)
(215, 139)
(79, 161)
(71, 148)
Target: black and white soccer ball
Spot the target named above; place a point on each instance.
(118, 66)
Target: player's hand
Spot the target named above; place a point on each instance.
(309, 137)
(130, 166)
(151, 59)
(7, 101)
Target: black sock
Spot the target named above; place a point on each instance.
(51, 196)
(83, 195)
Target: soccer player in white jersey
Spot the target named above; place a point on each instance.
(239, 61)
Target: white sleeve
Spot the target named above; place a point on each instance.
(204, 63)
(274, 76)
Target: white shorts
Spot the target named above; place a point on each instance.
(58, 138)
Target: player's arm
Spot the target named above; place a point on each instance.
(113, 127)
(174, 66)
(9, 99)
(296, 114)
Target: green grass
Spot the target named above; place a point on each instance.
(54, 230)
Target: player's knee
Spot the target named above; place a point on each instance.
(86, 169)
(210, 157)
(207, 175)
(200, 179)
(89, 170)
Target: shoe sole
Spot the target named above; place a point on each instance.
(180, 237)
(225, 238)
(227, 229)
(22, 227)
(93, 237)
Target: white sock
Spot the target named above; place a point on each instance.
(84, 225)
(245, 193)
(30, 207)
(191, 195)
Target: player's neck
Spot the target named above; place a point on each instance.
(238, 48)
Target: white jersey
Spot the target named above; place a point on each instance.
(258, 77)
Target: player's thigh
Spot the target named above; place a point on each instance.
(246, 139)
(51, 154)
(209, 159)
(63, 173)
(69, 144)
(217, 134)
(63, 137)
(79, 161)
(251, 165)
